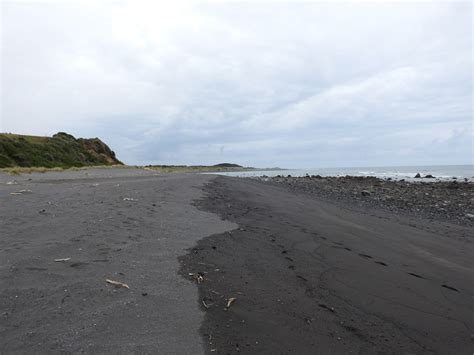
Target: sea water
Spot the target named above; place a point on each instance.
(440, 172)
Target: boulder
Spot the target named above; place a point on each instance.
(417, 176)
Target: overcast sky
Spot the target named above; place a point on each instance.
(267, 84)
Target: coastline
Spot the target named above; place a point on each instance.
(421, 173)
(311, 275)
(451, 201)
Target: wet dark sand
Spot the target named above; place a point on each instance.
(314, 277)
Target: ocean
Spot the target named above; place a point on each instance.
(440, 172)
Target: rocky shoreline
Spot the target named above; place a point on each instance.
(451, 201)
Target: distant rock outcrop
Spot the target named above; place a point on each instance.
(227, 165)
(61, 150)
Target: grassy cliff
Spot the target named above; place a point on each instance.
(61, 150)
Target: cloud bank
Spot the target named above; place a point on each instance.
(261, 84)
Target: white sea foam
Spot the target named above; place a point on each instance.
(447, 172)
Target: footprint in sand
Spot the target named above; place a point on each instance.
(104, 251)
(310, 292)
(450, 288)
(341, 247)
(36, 268)
(416, 275)
(79, 264)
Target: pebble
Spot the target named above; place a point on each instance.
(448, 200)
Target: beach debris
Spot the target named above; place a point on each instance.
(129, 199)
(205, 304)
(62, 260)
(198, 277)
(365, 193)
(117, 284)
(470, 215)
(42, 211)
(230, 302)
(21, 192)
(12, 182)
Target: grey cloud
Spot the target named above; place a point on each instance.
(260, 84)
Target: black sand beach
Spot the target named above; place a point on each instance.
(126, 225)
(310, 275)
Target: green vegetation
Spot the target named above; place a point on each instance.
(60, 151)
(21, 154)
(23, 170)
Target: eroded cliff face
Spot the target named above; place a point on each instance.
(99, 149)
